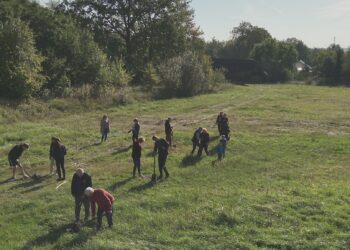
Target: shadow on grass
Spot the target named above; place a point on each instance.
(50, 238)
(142, 187)
(54, 234)
(122, 150)
(190, 160)
(31, 182)
(6, 181)
(119, 184)
(91, 145)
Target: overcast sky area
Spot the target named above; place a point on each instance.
(316, 22)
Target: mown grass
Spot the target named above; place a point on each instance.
(283, 184)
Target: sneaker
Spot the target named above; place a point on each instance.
(160, 177)
(167, 176)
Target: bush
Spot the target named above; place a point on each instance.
(20, 63)
(187, 75)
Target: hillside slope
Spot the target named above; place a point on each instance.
(283, 184)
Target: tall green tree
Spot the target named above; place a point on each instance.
(303, 50)
(328, 64)
(276, 58)
(148, 30)
(20, 62)
(244, 38)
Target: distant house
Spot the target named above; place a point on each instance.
(302, 66)
(241, 70)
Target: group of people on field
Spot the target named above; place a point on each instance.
(81, 186)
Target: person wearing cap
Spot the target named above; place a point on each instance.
(204, 142)
(13, 157)
(135, 130)
(104, 201)
(58, 153)
(104, 127)
(136, 155)
(80, 182)
(196, 139)
(168, 131)
(161, 147)
(221, 148)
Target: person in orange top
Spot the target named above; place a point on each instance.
(104, 201)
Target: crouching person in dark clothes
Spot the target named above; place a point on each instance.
(136, 155)
(162, 147)
(13, 157)
(104, 201)
(80, 182)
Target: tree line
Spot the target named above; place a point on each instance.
(277, 58)
(105, 45)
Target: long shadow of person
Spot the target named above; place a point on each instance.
(142, 187)
(53, 236)
(31, 182)
(122, 150)
(50, 238)
(6, 181)
(91, 145)
(190, 160)
(119, 184)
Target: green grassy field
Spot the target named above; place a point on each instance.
(283, 185)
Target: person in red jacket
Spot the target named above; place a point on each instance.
(104, 201)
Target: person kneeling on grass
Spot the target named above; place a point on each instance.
(80, 182)
(13, 157)
(104, 201)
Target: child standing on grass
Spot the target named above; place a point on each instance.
(135, 130)
(221, 149)
(105, 126)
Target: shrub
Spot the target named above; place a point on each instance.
(20, 63)
(186, 75)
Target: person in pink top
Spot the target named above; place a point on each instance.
(104, 201)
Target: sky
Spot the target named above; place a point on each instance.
(315, 22)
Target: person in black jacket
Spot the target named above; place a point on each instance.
(204, 142)
(136, 155)
(13, 157)
(225, 129)
(58, 153)
(196, 139)
(80, 182)
(168, 131)
(135, 130)
(161, 147)
(219, 121)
